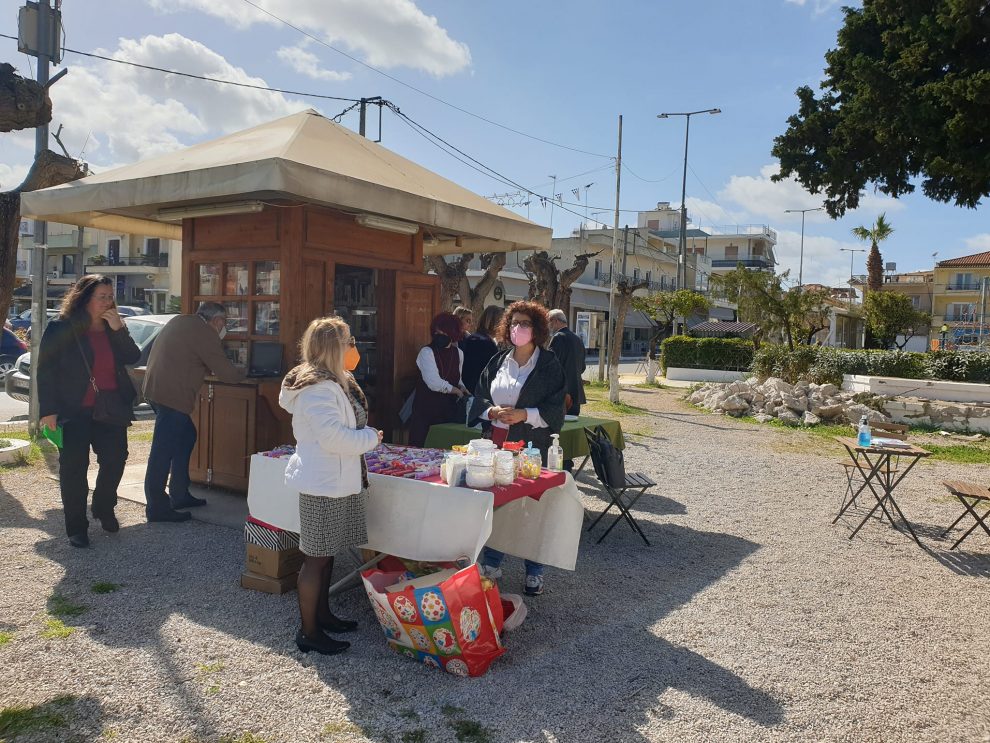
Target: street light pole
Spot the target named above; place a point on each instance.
(801, 260)
(682, 237)
(852, 254)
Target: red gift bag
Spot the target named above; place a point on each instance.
(449, 625)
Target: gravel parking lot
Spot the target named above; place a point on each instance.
(751, 618)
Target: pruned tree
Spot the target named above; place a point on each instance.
(890, 314)
(904, 99)
(24, 103)
(624, 290)
(454, 281)
(550, 286)
(665, 307)
(49, 169)
(811, 312)
(874, 235)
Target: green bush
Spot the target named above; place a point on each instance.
(823, 365)
(726, 354)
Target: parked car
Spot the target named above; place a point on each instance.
(11, 347)
(23, 320)
(130, 310)
(143, 329)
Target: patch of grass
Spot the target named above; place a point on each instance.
(55, 629)
(6, 637)
(20, 720)
(4, 443)
(596, 385)
(342, 727)
(959, 453)
(651, 386)
(109, 734)
(60, 606)
(27, 457)
(140, 435)
(208, 668)
(617, 408)
(211, 690)
(104, 587)
(470, 731)
(414, 736)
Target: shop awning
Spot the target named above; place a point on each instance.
(303, 158)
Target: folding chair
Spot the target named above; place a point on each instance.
(970, 495)
(635, 484)
(853, 477)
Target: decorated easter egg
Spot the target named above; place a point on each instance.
(457, 667)
(431, 604)
(445, 641)
(419, 638)
(470, 623)
(405, 608)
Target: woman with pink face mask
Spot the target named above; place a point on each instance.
(520, 396)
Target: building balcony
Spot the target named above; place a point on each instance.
(972, 286)
(757, 263)
(666, 283)
(136, 264)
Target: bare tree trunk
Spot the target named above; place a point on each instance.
(48, 170)
(493, 263)
(24, 103)
(451, 275)
(550, 287)
(623, 299)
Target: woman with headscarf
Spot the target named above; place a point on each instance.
(439, 386)
(329, 422)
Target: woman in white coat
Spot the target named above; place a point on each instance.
(329, 422)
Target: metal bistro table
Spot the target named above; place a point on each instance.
(572, 438)
(879, 471)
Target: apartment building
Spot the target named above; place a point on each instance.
(961, 300)
(726, 246)
(147, 271)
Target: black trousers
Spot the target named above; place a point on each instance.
(79, 434)
(568, 464)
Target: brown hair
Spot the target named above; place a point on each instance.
(75, 300)
(461, 312)
(488, 324)
(537, 315)
(321, 346)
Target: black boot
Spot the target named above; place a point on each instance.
(322, 644)
(79, 540)
(109, 523)
(335, 625)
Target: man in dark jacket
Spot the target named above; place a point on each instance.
(187, 350)
(569, 350)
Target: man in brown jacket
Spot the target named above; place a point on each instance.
(186, 350)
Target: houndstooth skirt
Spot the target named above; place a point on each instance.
(328, 526)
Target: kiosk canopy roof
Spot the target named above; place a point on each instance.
(304, 157)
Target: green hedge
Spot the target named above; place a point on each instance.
(727, 354)
(821, 364)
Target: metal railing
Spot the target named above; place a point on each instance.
(969, 286)
(746, 262)
(742, 229)
(159, 261)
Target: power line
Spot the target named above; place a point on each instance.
(318, 40)
(647, 180)
(202, 77)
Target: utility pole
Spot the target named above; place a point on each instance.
(801, 259)
(613, 363)
(45, 36)
(553, 198)
(362, 125)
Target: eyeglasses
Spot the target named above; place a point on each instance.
(521, 323)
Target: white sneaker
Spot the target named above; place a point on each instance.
(487, 571)
(534, 585)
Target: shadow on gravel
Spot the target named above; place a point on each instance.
(589, 663)
(686, 418)
(651, 502)
(66, 719)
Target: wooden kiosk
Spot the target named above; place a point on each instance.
(292, 264)
(288, 221)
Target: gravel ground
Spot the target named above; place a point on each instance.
(751, 618)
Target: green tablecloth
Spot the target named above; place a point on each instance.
(572, 440)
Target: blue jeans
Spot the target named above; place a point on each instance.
(493, 559)
(171, 448)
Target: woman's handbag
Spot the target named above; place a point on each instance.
(612, 461)
(109, 407)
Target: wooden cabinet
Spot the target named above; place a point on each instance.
(226, 418)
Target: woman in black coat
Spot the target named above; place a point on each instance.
(479, 347)
(83, 354)
(520, 395)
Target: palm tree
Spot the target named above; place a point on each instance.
(880, 231)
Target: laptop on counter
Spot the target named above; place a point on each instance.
(266, 359)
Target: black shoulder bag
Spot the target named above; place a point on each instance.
(109, 407)
(612, 461)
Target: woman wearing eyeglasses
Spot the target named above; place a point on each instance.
(520, 396)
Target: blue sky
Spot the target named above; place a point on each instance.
(559, 71)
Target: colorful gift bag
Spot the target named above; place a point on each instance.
(449, 625)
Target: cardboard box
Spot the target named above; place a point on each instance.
(268, 585)
(266, 535)
(273, 563)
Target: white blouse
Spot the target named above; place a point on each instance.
(507, 385)
(427, 363)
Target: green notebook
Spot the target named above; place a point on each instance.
(54, 436)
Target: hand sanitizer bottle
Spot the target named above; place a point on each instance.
(555, 454)
(865, 435)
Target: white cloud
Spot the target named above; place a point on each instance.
(824, 261)
(820, 6)
(133, 114)
(11, 176)
(702, 213)
(306, 63)
(385, 33)
(762, 197)
(979, 242)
